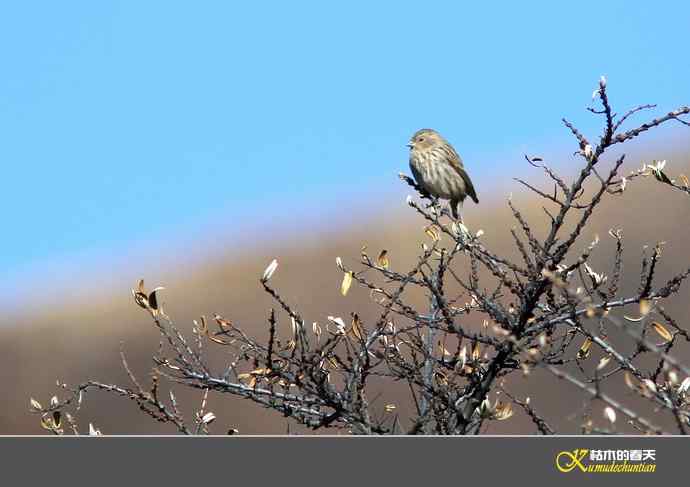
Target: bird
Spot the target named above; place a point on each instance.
(438, 169)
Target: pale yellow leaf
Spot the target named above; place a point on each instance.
(603, 362)
(432, 233)
(662, 331)
(347, 282)
(382, 260)
(584, 351)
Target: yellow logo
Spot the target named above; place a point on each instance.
(606, 461)
(567, 461)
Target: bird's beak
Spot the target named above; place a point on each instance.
(409, 146)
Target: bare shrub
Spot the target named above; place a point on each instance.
(547, 309)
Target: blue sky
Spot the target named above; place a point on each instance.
(130, 122)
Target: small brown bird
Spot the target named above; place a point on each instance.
(438, 169)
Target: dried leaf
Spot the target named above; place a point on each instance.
(629, 380)
(684, 179)
(485, 408)
(141, 299)
(633, 320)
(224, 324)
(268, 273)
(584, 351)
(441, 378)
(462, 359)
(339, 323)
(442, 350)
(476, 353)
(47, 423)
(333, 363)
(503, 411)
(588, 152)
(616, 233)
(645, 307)
(603, 362)
(382, 260)
(661, 176)
(293, 326)
(219, 341)
(153, 298)
(57, 419)
(662, 331)
(356, 328)
(432, 233)
(610, 414)
(650, 384)
(208, 418)
(201, 325)
(347, 282)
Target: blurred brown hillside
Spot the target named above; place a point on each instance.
(80, 340)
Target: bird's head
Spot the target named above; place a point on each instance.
(425, 139)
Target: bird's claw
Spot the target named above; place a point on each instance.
(432, 203)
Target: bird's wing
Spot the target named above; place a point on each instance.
(469, 187)
(417, 176)
(457, 164)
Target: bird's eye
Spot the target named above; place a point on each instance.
(421, 139)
